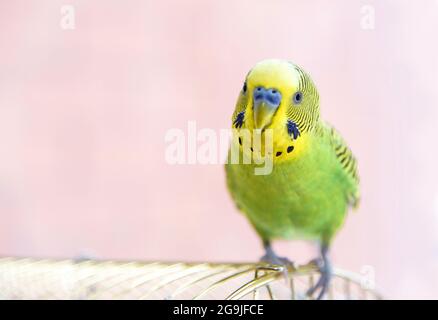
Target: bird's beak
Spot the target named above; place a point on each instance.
(266, 102)
(263, 113)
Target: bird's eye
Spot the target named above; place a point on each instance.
(244, 87)
(298, 97)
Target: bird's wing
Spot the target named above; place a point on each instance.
(347, 161)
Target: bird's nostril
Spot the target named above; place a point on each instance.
(272, 95)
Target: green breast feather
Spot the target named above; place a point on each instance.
(306, 197)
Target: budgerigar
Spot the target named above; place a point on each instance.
(314, 174)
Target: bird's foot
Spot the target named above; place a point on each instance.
(322, 284)
(325, 270)
(317, 262)
(272, 258)
(277, 260)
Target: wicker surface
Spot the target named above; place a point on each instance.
(23, 278)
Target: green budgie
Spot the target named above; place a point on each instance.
(314, 174)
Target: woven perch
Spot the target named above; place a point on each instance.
(27, 278)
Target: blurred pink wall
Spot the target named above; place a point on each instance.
(83, 114)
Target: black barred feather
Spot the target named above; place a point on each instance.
(346, 159)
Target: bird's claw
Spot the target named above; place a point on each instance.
(286, 264)
(317, 262)
(323, 281)
(278, 261)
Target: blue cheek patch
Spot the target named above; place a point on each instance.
(292, 129)
(238, 122)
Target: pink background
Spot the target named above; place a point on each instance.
(84, 112)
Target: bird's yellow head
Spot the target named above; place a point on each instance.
(278, 95)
